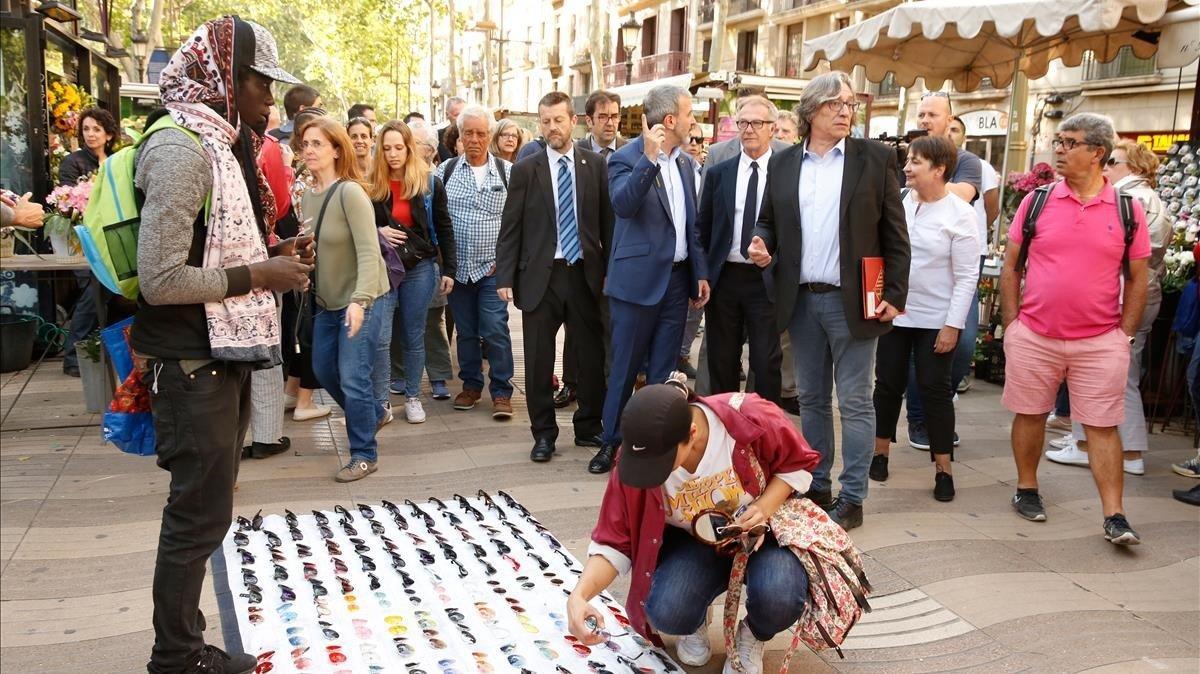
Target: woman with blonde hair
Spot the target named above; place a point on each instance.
(410, 210)
(507, 141)
(350, 286)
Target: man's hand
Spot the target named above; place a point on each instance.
(654, 139)
(505, 294)
(947, 339)
(447, 285)
(26, 214)
(885, 312)
(393, 236)
(705, 293)
(280, 274)
(757, 250)
(298, 246)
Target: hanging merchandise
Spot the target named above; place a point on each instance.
(460, 586)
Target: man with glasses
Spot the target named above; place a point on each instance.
(1071, 319)
(740, 300)
(847, 202)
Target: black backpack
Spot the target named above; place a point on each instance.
(1042, 194)
(455, 162)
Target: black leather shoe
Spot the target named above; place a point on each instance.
(685, 366)
(943, 487)
(262, 450)
(564, 396)
(791, 405)
(879, 468)
(542, 450)
(603, 461)
(213, 660)
(71, 370)
(848, 515)
(589, 441)
(823, 499)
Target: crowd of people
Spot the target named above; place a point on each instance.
(282, 256)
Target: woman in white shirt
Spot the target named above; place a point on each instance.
(941, 286)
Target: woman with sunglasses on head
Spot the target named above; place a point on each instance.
(682, 459)
(401, 186)
(508, 140)
(351, 289)
(362, 137)
(944, 272)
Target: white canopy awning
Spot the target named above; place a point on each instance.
(634, 94)
(964, 41)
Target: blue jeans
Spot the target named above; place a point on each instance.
(385, 306)
(480, 313)
(690, 575)
(412, 311)
(826, 352)
(344, 367)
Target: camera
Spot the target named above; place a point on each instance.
(909, 137)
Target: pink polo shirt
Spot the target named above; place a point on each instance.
(1073, 272)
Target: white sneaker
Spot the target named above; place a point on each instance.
(1063, 442)
(693, 650)
(1135, 466)
(310, 413)
(1071, 455)
(388, 416)
(748, 650)
(413, 412)
(1056, 422)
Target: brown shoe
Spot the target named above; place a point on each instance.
(467, 399)
(502, 408)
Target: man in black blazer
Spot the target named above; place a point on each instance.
(550, 259)
(729, 204)
(831, 201)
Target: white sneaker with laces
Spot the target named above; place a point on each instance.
(693, 650)
(1063, 442)
(1071, 455)
(413, 412)
(748, 650)
(1135, 466)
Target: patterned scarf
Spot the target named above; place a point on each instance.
(197, 88)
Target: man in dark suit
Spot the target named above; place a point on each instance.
(740, 303)
(831, 201)
(550, 260)
(656, 263)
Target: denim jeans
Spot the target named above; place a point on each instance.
(826, 352)
(407, 335)
(344, 367)
(385, 306)
(480, 313)
(690, 575)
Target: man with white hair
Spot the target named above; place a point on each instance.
(1073, 243)
(476, 190)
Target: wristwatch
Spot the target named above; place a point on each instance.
(1132, 339)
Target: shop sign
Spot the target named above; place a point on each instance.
(985, 123)
(1157, 141)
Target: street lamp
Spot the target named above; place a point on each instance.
(436, 90)
(58, 11)
(629, 35)
(141, 49)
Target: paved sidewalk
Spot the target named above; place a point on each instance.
(959, 586)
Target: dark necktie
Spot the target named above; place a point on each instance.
(606, 153)
(750, 210)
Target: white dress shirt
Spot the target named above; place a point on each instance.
(945, 262)
(676, 196)
(553, 156)
(990, 181)
(820, 215)
(739, 200)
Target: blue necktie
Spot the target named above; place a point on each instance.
(568, 232)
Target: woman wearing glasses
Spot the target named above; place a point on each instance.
(507, 142)
(941, 286)
(681, 456)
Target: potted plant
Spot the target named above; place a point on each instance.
(91, 372)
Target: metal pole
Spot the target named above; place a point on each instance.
(432, 58)
(1012, 119)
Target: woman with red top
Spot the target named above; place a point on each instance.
(405, 197)
(679, 458)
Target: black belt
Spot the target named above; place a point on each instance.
(820, 287)
(682, 264)
(563, 262)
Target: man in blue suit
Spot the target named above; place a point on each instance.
(656, 263)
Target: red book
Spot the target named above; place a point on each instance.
(872, 271)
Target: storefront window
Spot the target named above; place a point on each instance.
(16, 168)
(795, 45)
(101, 90)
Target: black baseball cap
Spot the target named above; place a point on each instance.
(656, 419)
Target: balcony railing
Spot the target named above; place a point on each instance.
(797, 4)
(708, 9)
(647, 69)
(1126, 64)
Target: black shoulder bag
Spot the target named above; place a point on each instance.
(308, 303)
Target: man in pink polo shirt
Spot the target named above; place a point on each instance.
(1071, 321)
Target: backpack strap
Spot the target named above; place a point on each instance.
(500, 170)
(1129, 221)
(1029, 226)
(904, 193)
(429, 211)
(317, 229)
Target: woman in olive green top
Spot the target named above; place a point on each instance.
(352, 288)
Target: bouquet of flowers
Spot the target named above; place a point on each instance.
(65, 101)
(1178, 264)
(1018, 185)
(67, 204)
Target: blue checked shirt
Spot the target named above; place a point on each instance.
(475, 214)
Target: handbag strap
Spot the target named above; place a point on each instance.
(317, 230)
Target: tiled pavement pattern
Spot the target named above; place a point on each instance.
(964, 586)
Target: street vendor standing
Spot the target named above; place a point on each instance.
(680, 458)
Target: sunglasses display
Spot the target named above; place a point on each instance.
(454, 586)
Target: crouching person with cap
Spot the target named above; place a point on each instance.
(683, 462)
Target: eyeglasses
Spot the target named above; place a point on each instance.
(510, 136)
(835, 105)
(756, 124)
(1113, 161)
(255, 523)
(696, 141)
(1067, 144)
(936, 94)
